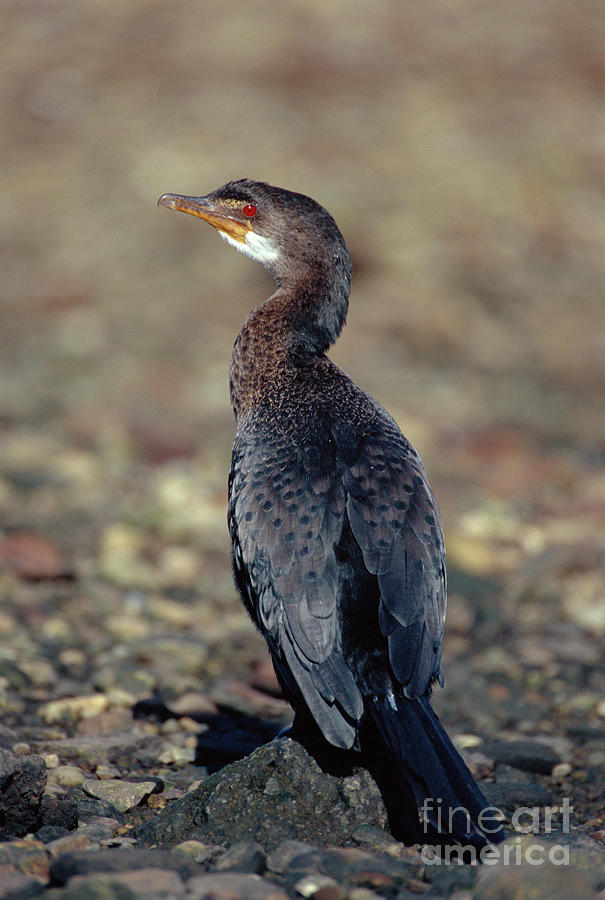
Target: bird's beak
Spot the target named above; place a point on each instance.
(210, 212)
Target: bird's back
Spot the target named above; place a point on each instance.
(338, 550)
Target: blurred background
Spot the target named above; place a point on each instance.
(461, 149)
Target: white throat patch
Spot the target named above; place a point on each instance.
(256, 247)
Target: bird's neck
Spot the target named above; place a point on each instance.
(287, 333)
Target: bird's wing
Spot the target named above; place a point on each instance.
(288, 505)
(286, 512)
(395, 520)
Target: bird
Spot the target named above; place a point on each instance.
(337, 545)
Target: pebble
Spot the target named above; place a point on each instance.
(189, 725)
(531, 756)
(231, 886)
(100, 828)
(176, 755)
(70, 843)
(367, 894)
(282, 856)
(26, 856)
(244, 856)
(33, 556)
(15, 884)
(123, 795)
(72, 709)
(373, 838)
(51, 760)
(8, 624)
(152, 884)
(313, 885)
(205, 854)
(21, 749)
(69, 865)
(561, 771)
(532, 873)
(194, 703)
(466, 741)
(105, 773)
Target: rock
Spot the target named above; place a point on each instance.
(69, 776)
(234, 804)
(33, 556)
(230, 693)
(373, 838)
(245, 856)
(16, 886)
(531, 756)
(120, 749)
(22, 784)
(28, 857)
(232, 886)
(283, 856)
(319, 886)
(175, 755)
(148, 883)
(353, 867)
(118, 860)
(93, 808)
(558, 866)
(194, 703)
(510, 795)
(123, 795)
(71, 709)
(59, 812)
(49, 833)
(70, 843)
(207, 854)
(367, 894)
(99, 828)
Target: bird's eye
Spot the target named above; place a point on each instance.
(249, 210)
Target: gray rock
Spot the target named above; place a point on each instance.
(229, 885)
(531, 756)
(96, 887)
(22, 784)
(352, 866)
(142, 883)
(25, 856)
(58, 812)
(117, 860)
(283, 856)
(123, 795)
(17, 886)
(373, 838)
(245, 856)
(537, 866)
(510, 795)
(233, 804)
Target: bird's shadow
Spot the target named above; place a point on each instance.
(224, 737)
(228, 735)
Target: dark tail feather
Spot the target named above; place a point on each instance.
(427, 772)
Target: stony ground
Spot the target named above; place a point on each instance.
(462, 152)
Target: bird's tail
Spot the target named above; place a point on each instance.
(420, 769)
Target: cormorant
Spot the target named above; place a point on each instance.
(338, 550)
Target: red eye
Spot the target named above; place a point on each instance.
(249, 210)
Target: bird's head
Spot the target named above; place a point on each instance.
(289, 234)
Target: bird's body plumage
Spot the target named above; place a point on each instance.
(338, 551)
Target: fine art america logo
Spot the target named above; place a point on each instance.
(524, 820)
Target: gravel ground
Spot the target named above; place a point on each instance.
(461, 150)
